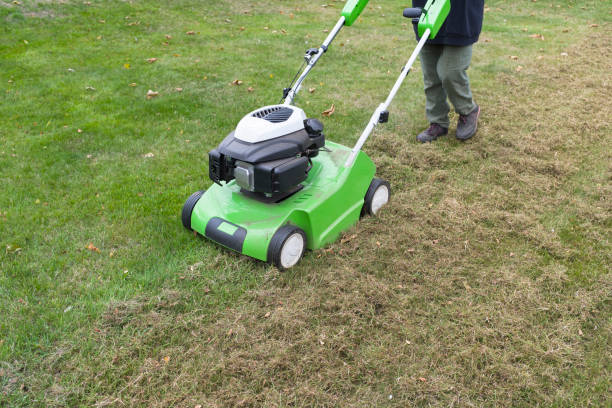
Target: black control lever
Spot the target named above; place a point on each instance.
(310, 52)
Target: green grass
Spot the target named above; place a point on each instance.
(485, 283)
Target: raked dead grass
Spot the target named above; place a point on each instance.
(485, 282)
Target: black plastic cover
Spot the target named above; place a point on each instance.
(234, 241)
(219, 169)
(290, 145)
(279, 176)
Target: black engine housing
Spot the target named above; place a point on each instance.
(269, 167)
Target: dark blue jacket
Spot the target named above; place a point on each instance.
(463, 24)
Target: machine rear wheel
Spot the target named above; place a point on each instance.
(188, 208)
(287, 247)
(377, 196)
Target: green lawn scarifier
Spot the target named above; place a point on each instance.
(280, 188)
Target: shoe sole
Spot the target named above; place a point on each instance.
(475, 130)
(434, 139)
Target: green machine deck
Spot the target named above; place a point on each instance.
(330, 202)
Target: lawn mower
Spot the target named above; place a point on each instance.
(279, 187)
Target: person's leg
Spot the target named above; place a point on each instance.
(452, 66)
(436, 106)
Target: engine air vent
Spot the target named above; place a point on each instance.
(277, 114)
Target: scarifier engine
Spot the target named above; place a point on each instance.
(269, 154)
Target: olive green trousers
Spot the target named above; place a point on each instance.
(445, 77)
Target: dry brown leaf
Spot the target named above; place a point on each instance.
(178, 89)
(311, 90)
(519, 68)
(329, 111)
(236, 82)
(347, 239)
(151, 60)
(513, 57)
(92, 248)
(152, 94)
(250, 89)
(190, 33)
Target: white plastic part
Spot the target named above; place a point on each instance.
(381, 197)
(252, 129)
(292, 250)
(313, 60)
(384, 106)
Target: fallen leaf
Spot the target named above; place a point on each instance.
(151, 60)
(13, 249)
(540, 36)
(519, 68)
(513, 57)
(421, 379)
(90, 88)
(594, 25)
(133, 84)
(168, 37)
(178, 89)
(148, 155)
(347, 239)
(152, 94)
(190, 33)
(267, 315)
(250, 89)
(329, 111)
(237, 82)
(311, 90)
(92, 248)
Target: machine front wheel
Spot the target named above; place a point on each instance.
(377, 196)
(287, 247)
(188, 208)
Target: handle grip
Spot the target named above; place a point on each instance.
(414, 12)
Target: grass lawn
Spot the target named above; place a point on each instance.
(485, 282)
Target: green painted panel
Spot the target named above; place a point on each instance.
(435, 13)
(352, 10)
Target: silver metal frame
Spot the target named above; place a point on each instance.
(313, 61)
(384, 106)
